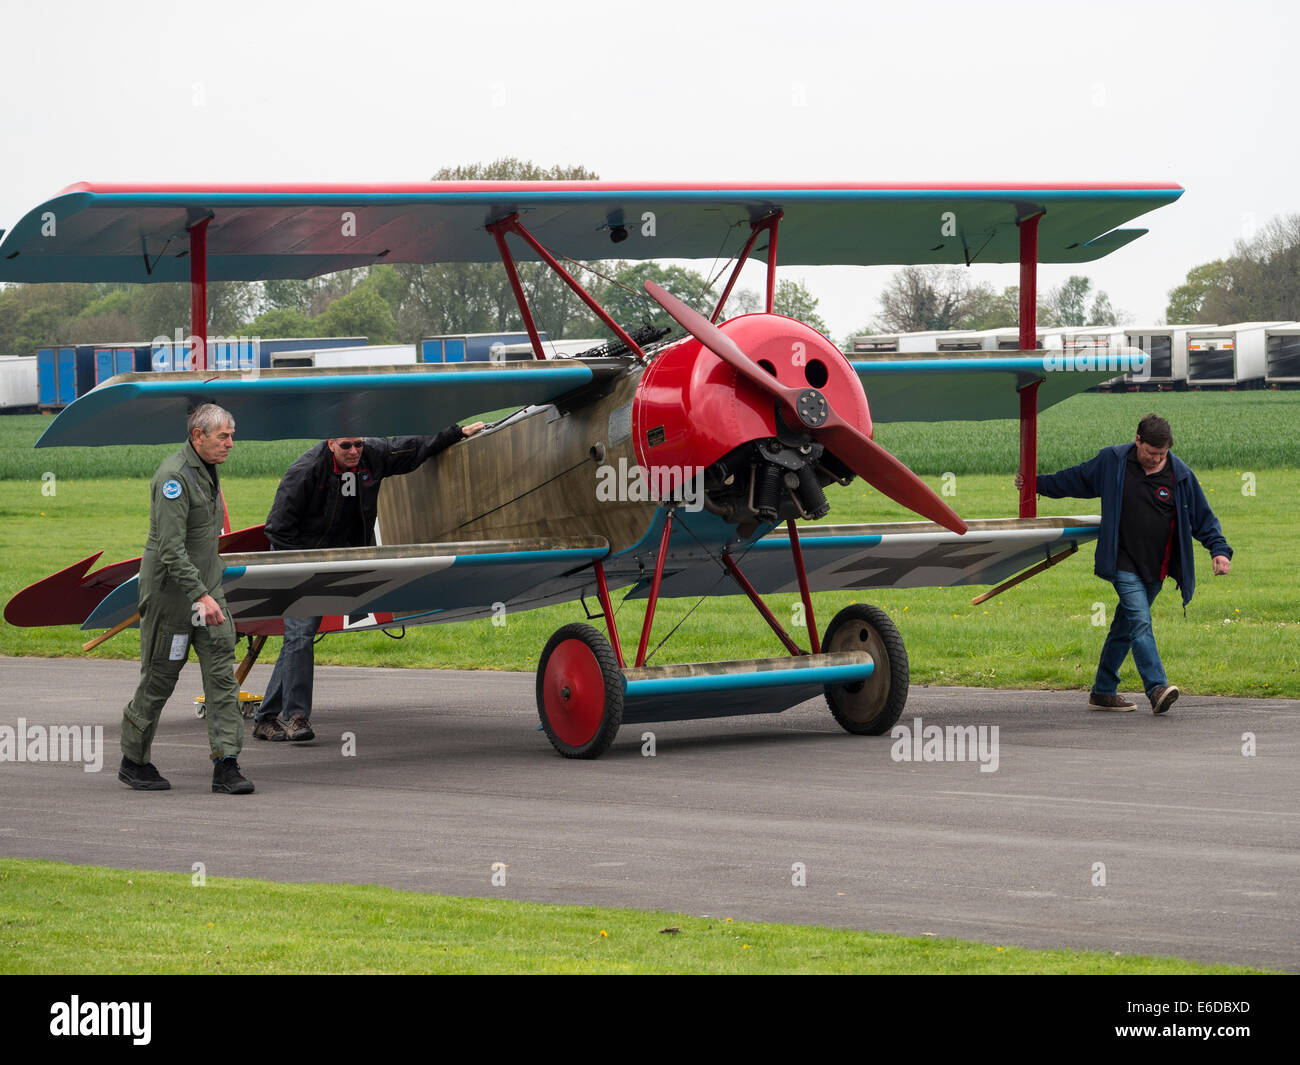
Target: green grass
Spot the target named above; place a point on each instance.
(1212, 430)
(84, 919)
(1241, 635)
(21, 460)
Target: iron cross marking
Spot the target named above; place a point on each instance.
(885, 572)
(274, 601)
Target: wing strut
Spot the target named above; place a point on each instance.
(1029, 342)
(768, 222)
(511, 224)
(199, 292)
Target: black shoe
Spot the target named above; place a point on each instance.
(142, 777)
(226, 777)
(299, 728)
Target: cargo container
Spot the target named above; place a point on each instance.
(1006, 339)
(468, 347)
(17, 384)
(1228, 356)
(56, 377)
(241, 353)
(361, 355)
(920, 341)
(1166, 348)
(1282, 356)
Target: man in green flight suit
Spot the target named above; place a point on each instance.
(181, 603)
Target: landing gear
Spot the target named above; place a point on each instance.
(579, 692)
(872, 706)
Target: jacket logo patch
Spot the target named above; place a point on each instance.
(171, 489)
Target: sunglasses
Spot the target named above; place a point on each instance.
(350, 445)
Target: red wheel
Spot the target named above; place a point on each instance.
(579, 692)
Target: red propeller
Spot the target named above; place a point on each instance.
(808, 407)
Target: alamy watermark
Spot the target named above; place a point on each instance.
(102, 1018)
(55, 743)
(946, 743)
(657, 484)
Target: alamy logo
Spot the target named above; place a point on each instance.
(637, 484)
(57, 743)
(951, 743)
(102, 1018)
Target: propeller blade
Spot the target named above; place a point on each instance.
(721, 345)
(809, 409)
(885, 473)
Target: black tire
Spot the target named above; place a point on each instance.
(579, 677)
(870, 707)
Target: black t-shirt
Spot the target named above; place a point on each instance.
(1146, 522)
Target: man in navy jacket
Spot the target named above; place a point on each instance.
(1151, 507)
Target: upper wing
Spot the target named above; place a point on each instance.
(111, 232)
(972, 388)
(303, 403)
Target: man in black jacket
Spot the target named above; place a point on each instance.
(329, 498)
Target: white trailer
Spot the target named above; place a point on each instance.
(1005, 339)
(1282, 356)
(17, 383)
(1166, 347)
(362, 355)
(1101, 345)
(890, 343)
(1228, 356)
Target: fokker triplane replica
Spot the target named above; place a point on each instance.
(745, 424)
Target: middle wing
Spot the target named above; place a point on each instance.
(975, 388)
(299, 403)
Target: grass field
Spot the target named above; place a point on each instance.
(1241, 635)
(1212, 430)
(83, 919)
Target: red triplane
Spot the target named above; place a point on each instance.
(745, 425)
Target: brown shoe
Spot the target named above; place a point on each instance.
(269, 728)
(1109, 702)
(299, 728)
(1162, 698)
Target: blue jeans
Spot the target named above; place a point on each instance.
(289, 692)
(1131, 630)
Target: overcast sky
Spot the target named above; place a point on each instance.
(1194, 93)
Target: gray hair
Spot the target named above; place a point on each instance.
(208, 419)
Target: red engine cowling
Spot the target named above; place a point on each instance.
(693, 411)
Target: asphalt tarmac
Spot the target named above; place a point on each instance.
(1127, 833)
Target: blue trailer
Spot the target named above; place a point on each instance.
(468, 347)
(56, 377)
(240, 353)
